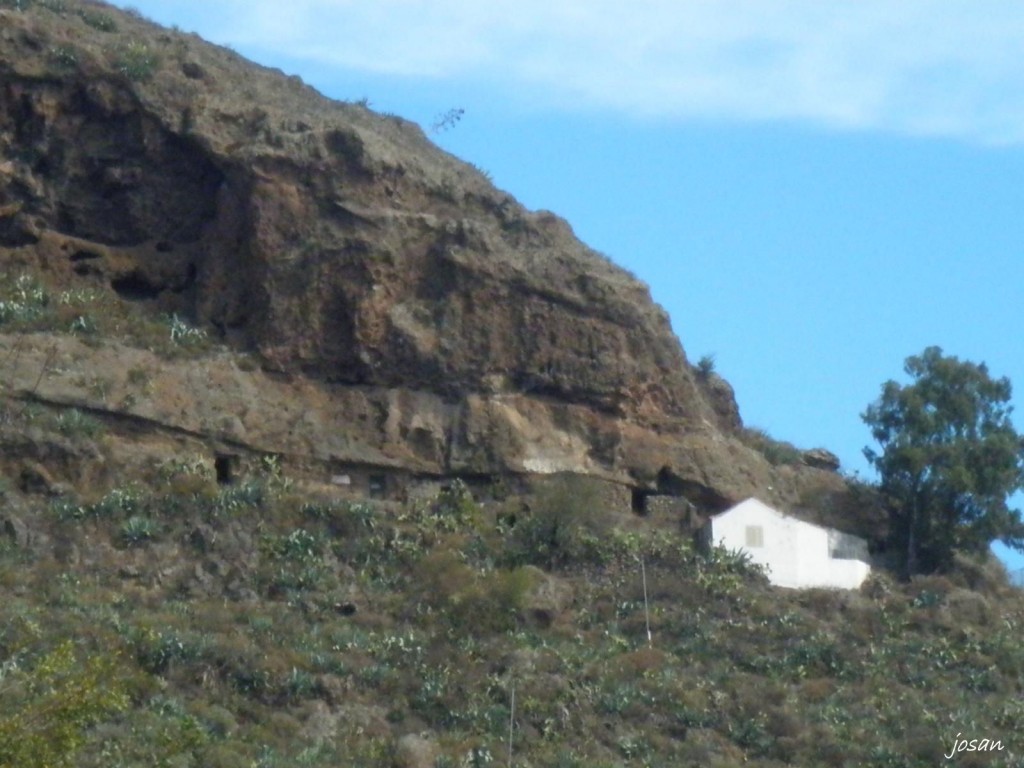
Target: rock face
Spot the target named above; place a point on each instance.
(405, 313)
(821, 458)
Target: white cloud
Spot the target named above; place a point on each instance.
(948, 68)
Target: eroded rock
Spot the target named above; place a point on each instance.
(405, 314)
(819, 458)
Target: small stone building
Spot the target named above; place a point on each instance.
(796, 554)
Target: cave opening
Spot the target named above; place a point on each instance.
(135, 287)
(224, 467)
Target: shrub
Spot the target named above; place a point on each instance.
(299, 546)
(65, 509)
(775, 451)
(189, 466)
(98, 20)
(455, 508)
(46, 708)
(136, 61)
(75, 423)
(468, 599)
(119, 502)
(83, 324)
(568, 525)
(293, 562)
(64, 56)
(706, 366)
(184, 334)
(22, 301)
(137, 531)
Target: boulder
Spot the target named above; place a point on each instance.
(415, 751)
(547, 599)
(15, 529)
(819, 458)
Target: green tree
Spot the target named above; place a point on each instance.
(45, 711)
(949, 459)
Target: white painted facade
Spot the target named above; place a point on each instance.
(796, 554)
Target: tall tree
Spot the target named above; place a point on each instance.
(949, 459)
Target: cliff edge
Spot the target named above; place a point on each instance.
(403, 313)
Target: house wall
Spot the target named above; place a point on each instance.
(811, 555)
(796, 553)
(779, 540)
(846, 546)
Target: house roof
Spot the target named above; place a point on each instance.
(756, 505)
(752, 504)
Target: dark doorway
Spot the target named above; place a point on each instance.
(378, 486)
(639, 502)
(224, 466)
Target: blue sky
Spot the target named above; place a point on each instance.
(814, 191)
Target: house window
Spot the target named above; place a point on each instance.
(755, 536)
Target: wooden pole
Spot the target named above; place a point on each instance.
(511, 723)
(647, 612)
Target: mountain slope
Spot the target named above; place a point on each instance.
(318, 450)
(449, 330)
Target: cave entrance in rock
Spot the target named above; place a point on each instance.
(225, 467)
(669, 484)
(639, 502)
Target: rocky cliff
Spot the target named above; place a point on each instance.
(396, 310)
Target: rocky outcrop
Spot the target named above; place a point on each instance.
(332, 240)
(821, 458)
(217, 404)
(405, 313)
(16, 530)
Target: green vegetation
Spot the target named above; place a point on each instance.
(98, 20)
(485, 173)
(949, 459)
(238, 616)
(775, 451)
(27, 304)
(134, 58)
(23, 300)
(64, 56)
(567, 525)
(47, 704)
(262, 624)
(185, 335)
(136, 61)
(706, 366)
(75, 423)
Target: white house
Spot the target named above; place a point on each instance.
(797, 554)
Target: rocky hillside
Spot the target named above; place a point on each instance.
(318, 450)
(396, 312)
